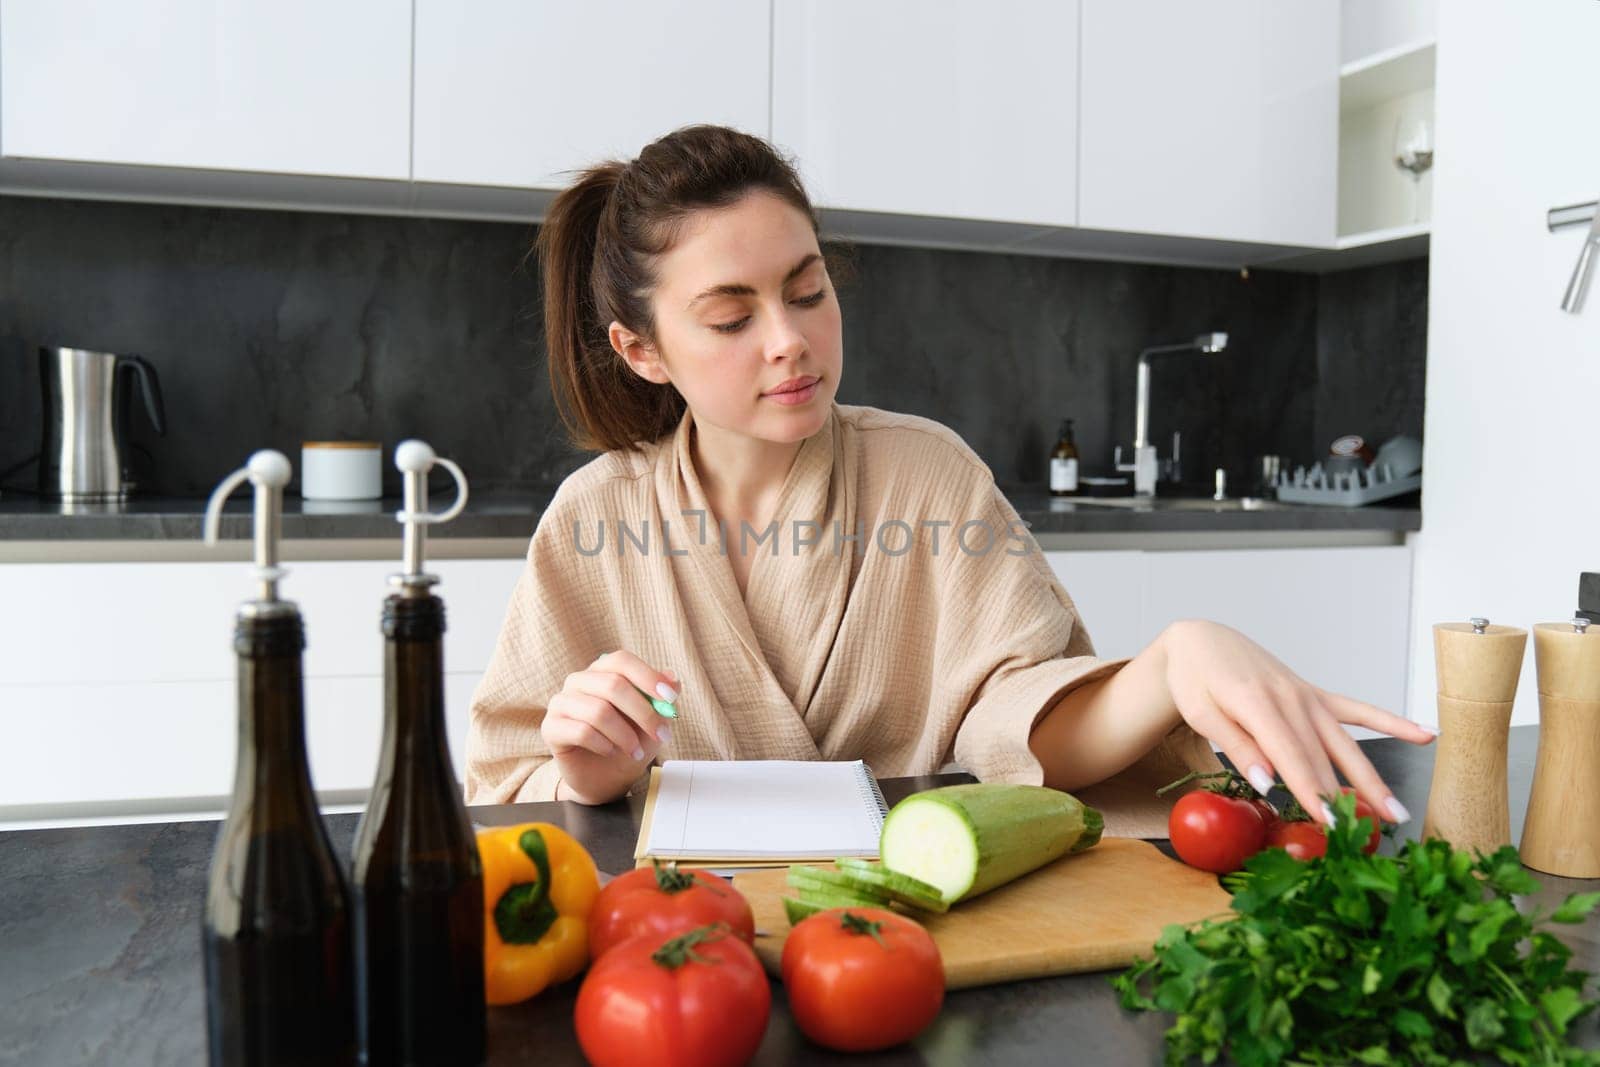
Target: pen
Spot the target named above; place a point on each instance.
(663, 709)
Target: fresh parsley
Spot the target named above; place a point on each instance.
(1418, 958)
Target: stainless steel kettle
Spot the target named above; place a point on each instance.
(86, 408)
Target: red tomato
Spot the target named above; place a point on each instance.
(1364, 811)
(1302, 840)
(663, 903)
(862, 978)
(1215, 833)
(697, 1000)
(1269, 814)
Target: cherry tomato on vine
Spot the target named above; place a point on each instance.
(1364, 811)
(1301, 839)
(1214, 832)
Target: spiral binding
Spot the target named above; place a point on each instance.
(872, 793)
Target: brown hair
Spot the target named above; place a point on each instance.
(597, 249)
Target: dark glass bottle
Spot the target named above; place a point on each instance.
(418, 879)
(1064, 463)
(279, 966)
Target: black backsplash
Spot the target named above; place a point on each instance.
(273, 327)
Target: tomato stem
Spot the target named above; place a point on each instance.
(671, 880)
(1193, 776)
(855, 924)
(680, 950)
(1294, 811)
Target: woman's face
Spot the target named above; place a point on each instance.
(743, 305)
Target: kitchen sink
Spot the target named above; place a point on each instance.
(1172, 503)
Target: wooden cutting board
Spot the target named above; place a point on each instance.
(1090, 912)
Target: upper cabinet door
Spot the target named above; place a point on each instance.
(931, 107)
(1216, 120)
(516, 92)
(291, 86)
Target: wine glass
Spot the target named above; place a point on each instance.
(1413, 152)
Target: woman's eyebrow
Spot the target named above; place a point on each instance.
(739, 289)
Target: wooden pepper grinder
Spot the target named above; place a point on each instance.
(1561, 835)
(1478, 666)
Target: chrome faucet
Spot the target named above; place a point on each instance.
(1146, 465)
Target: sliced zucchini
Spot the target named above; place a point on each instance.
(798, 910)
(912, 892)
(813, 881)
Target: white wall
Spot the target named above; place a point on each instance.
(1511, 502)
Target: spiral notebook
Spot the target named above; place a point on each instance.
(759, 813)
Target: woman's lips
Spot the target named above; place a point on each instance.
(795, 396)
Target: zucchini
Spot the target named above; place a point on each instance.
(901, 887)
(968, 839)
(817, 884)
(799, 910)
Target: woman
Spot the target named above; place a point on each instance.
(811, 580)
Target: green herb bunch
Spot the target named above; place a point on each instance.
(1419, 958)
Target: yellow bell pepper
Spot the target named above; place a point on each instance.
(538, 887)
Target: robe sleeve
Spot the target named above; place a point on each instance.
(1010, 636)
(560, 617)
(1010, 630)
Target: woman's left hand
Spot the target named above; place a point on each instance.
(1271, 723)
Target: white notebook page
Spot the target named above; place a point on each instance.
(742, 809)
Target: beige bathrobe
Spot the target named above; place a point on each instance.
(897, 611)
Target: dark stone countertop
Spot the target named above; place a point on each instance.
(514, 514)
(100, 949)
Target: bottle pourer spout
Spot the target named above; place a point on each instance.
(269, 472)
(414, 459)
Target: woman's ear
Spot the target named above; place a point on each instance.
(641, 356)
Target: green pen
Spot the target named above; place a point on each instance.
(663, 709)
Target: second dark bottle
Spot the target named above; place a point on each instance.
(418, 881)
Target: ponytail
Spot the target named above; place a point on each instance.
(602, 403)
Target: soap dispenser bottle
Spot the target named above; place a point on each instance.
(418, 879)
(276, 937)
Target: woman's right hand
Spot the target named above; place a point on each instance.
(601, 728)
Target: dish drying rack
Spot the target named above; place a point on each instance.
(1346, 489)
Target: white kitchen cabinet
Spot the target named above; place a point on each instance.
(121, 745)
(517, 92)
(295, 86)
(1338, 617)
(100, 623)
(931, 107)
(1217, 120)
(1373, 27)
(122, 685)
(1104, 587)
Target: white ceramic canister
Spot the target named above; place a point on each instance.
(341, 470)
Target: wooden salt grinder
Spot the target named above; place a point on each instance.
(1561, 835)
(1478, 666)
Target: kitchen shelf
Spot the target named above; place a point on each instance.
(1385, 75)
(1411, 238)
(1361, 250)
